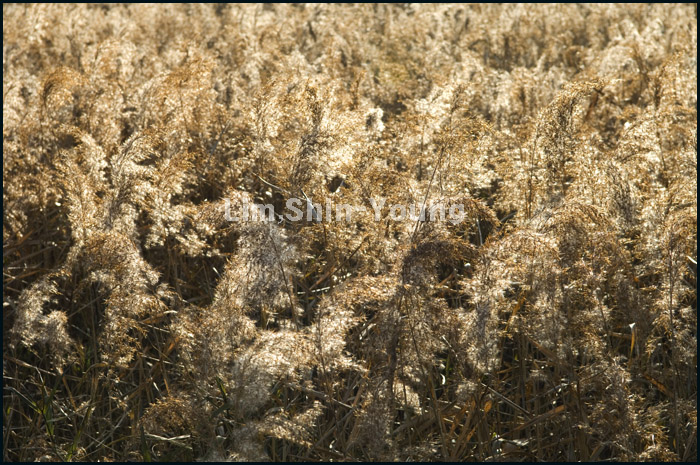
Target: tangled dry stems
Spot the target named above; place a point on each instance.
(558, 322)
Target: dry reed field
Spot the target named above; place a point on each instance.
(510, 275)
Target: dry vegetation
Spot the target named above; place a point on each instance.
(559, 322)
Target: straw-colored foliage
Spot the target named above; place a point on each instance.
(557, 322)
